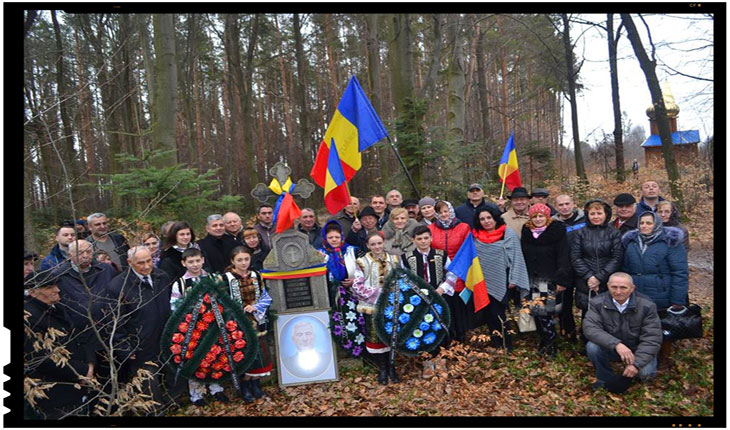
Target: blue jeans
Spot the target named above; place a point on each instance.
(601, 358)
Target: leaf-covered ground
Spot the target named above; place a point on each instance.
(517, 384)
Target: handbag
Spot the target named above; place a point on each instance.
(685, 324)
(526, 322)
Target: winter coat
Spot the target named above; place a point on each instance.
(144, 313)
(576, 222)
(62, 396)
(630, 224)
(266, 233)
(75, 296)
(314, 235)
(638, 327)
(217, 251)
(53, 259)
(547, 257)
(120, 246)
(596, 251)
(514, 221)
(397, 241)
(466, 211)
(661, 272)
(171, 263)
(502, 263)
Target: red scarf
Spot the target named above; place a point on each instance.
(490, 236)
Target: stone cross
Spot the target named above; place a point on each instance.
(281, 171)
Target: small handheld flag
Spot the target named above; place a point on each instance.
(509, 172)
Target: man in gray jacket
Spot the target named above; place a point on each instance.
(622, 324)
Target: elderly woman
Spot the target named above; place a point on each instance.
(503, 266)
(448, 233)
(547, 257)
(670, 218)
(595, 253)
(398, 232)
(655, 258)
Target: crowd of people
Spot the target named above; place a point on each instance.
(621, 272)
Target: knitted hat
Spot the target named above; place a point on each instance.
(539, 208)
(426, 201)
(624, 199)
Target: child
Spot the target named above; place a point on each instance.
(246, 287)
(103, 257)
(430, 265)
(192, 260)
(371, 271)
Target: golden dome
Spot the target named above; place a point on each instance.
(669, 103)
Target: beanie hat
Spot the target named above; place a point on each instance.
(426, 201)
(539, 208)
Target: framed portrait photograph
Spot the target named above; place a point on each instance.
(304, 348)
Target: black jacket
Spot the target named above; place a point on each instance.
(315, 235)
(171, 263)
(144, 313)
(217, 251)
(76, 298)
(630, 224)
(37, 364)
(120, 246)
(596, 251)
(547, 257)
(466, 211)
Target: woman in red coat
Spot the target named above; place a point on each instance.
(448, 233)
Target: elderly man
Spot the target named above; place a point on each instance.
(517, 214)
(414, 210)
(234, 226)
(308, 225)
(394, 198)
(540, 195)
(622, 325)
(265, 225)
(84, 285)
(366, 224)
(64, 236)
(307, 362)
(475, 200)
(42, 305)
(217, 245)
(627, 218)
(29, 260)
(113, 243)
(377, 202)
(347, 215)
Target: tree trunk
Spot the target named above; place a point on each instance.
(648, 65)
(617, 129)
(165, 97)
(483, 94)
(310, 147)
(293, 155)
(572, 75)
(67, 149)
(86, 135)
(456, 115)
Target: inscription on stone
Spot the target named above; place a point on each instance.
(297, 293)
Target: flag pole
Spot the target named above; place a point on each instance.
(418, 195)
(501, 193)
(349, 194)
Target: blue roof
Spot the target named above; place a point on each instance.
(678, 138)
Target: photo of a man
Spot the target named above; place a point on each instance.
(307, 361)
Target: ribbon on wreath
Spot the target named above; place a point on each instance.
(285, 209)
(226, 341)
(188, 335)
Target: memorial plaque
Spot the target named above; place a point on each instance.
(297, 293)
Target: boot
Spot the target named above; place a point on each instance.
(382, 368)
(246, 391)
(391, 370)
(664, 358)
(256, 390)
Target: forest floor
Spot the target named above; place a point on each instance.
(517, 384)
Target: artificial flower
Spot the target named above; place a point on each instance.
(238, 334)
(428, 318)
(413, 344)
(204, 364)
(350, 316)
(217, 366)
(429, 338)
(360, 338)
(417, 333)
(200, 375)
(408, 308)
(239, 344)
(201, 325)
(188, 317)
(388, 312)
(351, 304)
(195, 335)
(356, 351)
(183, 327)
(227, 367)
(216, 375)
(388, 327)
(238, 356)
(178, 337)
(415, 300)
(338, 330)
(223, 358)
(424, 326)
(231, 325)
(336, 316)
(177, 359)
(210, 357)
(424, 291)
(436, 326)
(189, 354)
(404, 318)
(175, 348)
(208, 317)
(351, 326)
(192, 345)
(216, 349)
(438, 308)
(206, 298)
(347, 345)
(403, 286)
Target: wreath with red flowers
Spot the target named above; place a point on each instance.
(209, 336)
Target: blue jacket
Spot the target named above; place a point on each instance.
(466, 211)
(661, 272)
(53, 259)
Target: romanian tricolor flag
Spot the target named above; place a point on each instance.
(509, 172)
(308, 272)
(354, 127)
(285, 209)
(466, 266)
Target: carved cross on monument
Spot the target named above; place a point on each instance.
(281, 172)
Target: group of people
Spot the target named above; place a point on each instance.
(622, 273)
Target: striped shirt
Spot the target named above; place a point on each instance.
(495, 258)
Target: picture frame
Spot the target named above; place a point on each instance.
(305, 353)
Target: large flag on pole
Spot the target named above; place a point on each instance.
(509, 172)
(354, 127)
(466, 266)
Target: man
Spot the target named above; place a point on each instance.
(64, 236)
(265, 226)
(29, 260)
(574, 218)
(394, 198)
(540, 195)
(377, 202)
(635, 167)
(627, 218)
(650, 197)
(475, 200)
(622, 325)
(234, 226)
(307, 362)
(347, 215)
(113, 243)
(414, 211)
(61, 399)
(82, 232)
(217, 245)
(517, 215)
(367, 223)
(84, 285)
(308, 225)
(144, 297)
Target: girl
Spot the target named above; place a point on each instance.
(255, 243)
(179, 238)
(246, 287)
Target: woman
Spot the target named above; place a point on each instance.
(655, 258)
(448, 233)
(398, 232)
(546, 252)
(152, 242)
(503, 266)
(179, 238)
(670, 218)
(370, 273)
(255, 243)
(246, 287)
(428, 211)
(595, 253)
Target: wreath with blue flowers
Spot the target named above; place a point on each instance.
(348, 325)
(410, 315)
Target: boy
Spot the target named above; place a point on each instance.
(193, 260)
